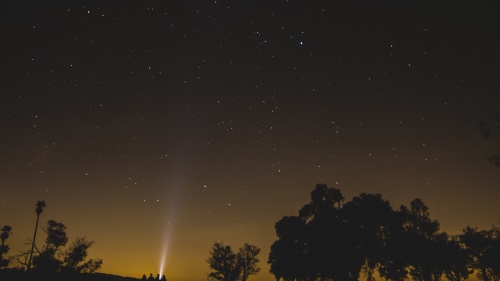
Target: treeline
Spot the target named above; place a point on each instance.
(333, 240)
(51, 260)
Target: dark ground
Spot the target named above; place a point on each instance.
(14, 275)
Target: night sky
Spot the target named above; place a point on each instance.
(162, 127)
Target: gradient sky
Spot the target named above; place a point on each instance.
(162, 127)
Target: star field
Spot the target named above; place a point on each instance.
(189, 122)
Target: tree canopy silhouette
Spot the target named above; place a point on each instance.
(229, 266)
(329, 240)
(247, 261)
(47, 260)
(73, 260)
(483, 247)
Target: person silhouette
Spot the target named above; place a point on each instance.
(144, 278)
(151, 278)
(157, 278)
(163, 278)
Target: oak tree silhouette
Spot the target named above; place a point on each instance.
(483, 247)
(331, 241)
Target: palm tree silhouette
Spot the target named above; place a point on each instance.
(6, 231)
(39, 209)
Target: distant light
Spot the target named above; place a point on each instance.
(162, 264)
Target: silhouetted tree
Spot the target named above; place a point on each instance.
(458, 261)
(52, 259)
(23, 257)
(418, 219)
(223, 261)
(493, 256)
(328, 241)
(47, 261)
(394, 264)
(439, 259)
(421, 233)
(229, 266)
(483, 247)
(394, 267)
(288, 254)
(331, 244)
(247, 261)
(74, 258)
(56, 235)
(4, 249)
(323, 201)
(39, 209)
(370, 218)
